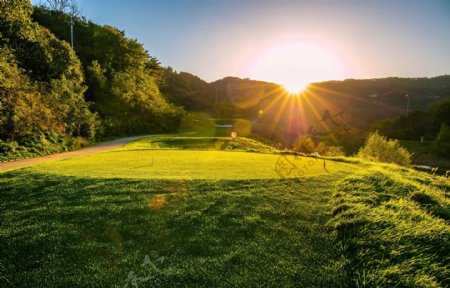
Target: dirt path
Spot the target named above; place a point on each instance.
(99, 147)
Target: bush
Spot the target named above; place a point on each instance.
(78, 143)
(328, 150)
(306, 144)
(7, 147)
(379, 148)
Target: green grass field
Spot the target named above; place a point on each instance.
(202, 212)
(169, 158)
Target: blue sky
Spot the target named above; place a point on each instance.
(214, 39)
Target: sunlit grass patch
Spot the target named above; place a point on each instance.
(187, 164)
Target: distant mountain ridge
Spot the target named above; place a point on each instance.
(390, 92)
(266, 104)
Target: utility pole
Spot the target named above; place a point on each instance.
(68, 7)
(71, 31)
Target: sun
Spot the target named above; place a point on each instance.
(295, 63)
(296, 87)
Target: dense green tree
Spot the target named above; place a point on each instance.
(22, 109)
(441, 145)
(37, 51)
(441, 113)
(41, 83)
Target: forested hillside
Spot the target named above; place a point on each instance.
(123, 80)
(53, 98)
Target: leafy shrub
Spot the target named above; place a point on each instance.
(78, 143)
(7, 147)
(39, 145)
(306, 144)
(379, 148)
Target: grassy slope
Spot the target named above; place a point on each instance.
(394, 225)
(228, 221)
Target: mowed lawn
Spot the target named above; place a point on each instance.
(169, 218)
(188, 164)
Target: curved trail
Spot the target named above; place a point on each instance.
(99, 147)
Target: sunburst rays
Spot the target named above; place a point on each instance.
(296, 113)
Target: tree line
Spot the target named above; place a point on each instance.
(108, 85)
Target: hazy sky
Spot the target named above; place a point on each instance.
(260, 38)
